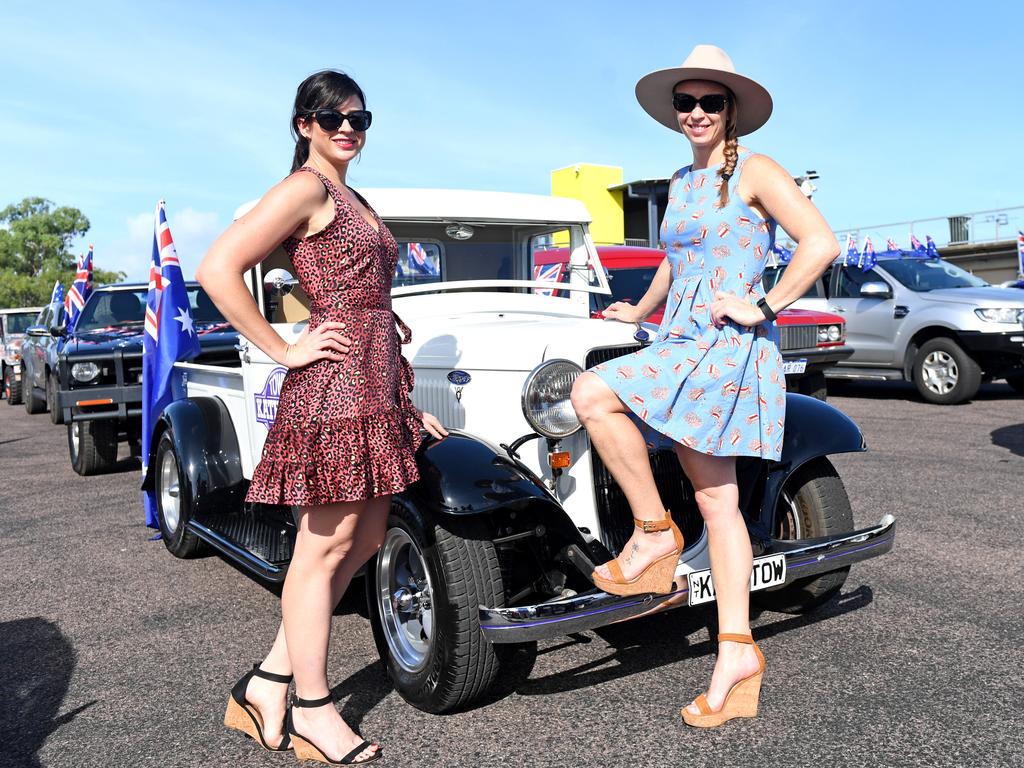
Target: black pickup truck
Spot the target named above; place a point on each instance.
(100, 369)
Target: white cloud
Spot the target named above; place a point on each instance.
(193, 231)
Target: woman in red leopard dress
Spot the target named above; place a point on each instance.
(346, 430)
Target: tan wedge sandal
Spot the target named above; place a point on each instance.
(741, 701)
(245, 717)
(657, 578)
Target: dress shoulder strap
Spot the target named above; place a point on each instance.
(741, 161)
(332, 190)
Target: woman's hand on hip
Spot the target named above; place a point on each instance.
(623, 311)
(433, 426)
(728, 306)
(325, 342)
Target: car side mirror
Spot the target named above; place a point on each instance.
(58, 331)
(875, 291)
(37, 330)
(278, 282)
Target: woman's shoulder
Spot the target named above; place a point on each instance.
(757, 165)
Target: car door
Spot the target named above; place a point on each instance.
(38, 350)
(870, 321)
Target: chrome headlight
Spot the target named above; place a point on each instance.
(85, 372)
(546, 403)
(829, 333)
(1001, 315)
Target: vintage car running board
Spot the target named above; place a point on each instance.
(250, 560)
(805, 557)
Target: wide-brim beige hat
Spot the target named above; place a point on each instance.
(705, 62)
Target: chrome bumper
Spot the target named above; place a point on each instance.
(805, 557)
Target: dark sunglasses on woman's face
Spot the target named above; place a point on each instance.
(712, 103)
(330, 119)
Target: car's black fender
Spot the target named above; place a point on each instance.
(813, 428)
(208, 454)
(463, 475)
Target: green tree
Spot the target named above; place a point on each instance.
(35, 251)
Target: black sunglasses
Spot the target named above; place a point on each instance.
(330, 119)
(712, 103)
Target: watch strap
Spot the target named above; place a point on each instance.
(767, 311)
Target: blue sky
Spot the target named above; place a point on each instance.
(907, 110)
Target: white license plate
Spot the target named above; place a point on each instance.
(768, 571)
(794, 366)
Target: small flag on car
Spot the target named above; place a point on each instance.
(931, 249)
(868, 258)
(80, 289)
(891, 247)
(547, 273)
(852, 256)
(419, 261)
(57, 297)
(916, 245)
(1020, 252)
(169, 337)
(785, 255)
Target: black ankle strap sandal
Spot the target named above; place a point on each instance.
(307, 750)
(245, 717)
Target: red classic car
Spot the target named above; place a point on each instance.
(810, 341)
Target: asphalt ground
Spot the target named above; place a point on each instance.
(114, 653)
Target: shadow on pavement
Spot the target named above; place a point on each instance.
(904, 390)
(365, 689)
(663, 640)
(1010, 437)
(35, 672)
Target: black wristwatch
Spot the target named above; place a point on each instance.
(769, 313)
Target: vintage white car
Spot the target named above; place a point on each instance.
(493, 548)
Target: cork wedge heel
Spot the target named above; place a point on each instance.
(741, 701)
(242, 716)
(307, 750)
(657, 578)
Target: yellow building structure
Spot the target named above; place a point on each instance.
(596, 186)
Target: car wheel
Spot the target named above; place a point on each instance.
(52, 387)
(944, 374)
(12, 386)
(813, 385)
(813, 503)
(34, 402)
(173, 505)
(92, 446)
(1017, 382)
(424, 589)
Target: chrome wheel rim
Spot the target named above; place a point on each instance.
(404, 592)
(941, 372)
(170, 496)
(789, 526)
(75, 438)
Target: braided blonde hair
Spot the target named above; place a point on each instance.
(731, 151)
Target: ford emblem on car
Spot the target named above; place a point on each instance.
(459, 378)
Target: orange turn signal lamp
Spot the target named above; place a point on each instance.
(103, 401)
(559, 459)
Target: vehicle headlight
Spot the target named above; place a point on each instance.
(835, 333)
(546, 404)
(1001, 315)
(85, 372)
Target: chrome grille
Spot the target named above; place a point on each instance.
(798, 336)
(609, 353)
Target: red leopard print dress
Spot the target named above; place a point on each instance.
(344, 430)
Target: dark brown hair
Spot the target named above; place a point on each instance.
(731, 150)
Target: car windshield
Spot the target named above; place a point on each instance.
(436, 252)
(924, 275)
(126, 308)
(17, 322)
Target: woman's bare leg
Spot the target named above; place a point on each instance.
(717, 494)
(271, 698)
(623, 450)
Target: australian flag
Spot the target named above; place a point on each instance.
(785, 255)
(931, 248)
(80, 289)
(891, 247)
(852, 256)
(1020, 252)
(169, 336)
(57, 297)
(868, 257)
(916, 245)
(419, 261)
(547, 272)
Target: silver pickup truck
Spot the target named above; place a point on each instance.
(923, 320)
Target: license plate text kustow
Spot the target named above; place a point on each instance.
(767, 572)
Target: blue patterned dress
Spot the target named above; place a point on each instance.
(720, 391)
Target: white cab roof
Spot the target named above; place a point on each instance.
(466, 205)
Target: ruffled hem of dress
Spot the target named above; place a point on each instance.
(353, 459)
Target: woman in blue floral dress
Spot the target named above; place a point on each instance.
(712, 380)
